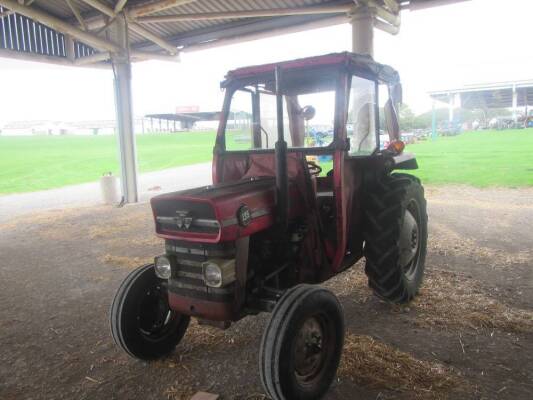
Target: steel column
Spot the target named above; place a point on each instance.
(515, 104)
(451, 105)
(433, 122)
(363, 31)
(124, 112)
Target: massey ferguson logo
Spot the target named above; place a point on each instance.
(183, 219)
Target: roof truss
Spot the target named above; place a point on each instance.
(161, 28)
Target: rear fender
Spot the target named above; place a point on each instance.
(404, 161)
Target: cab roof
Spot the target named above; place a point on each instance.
(355, 63)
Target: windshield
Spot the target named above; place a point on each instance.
(308, 117)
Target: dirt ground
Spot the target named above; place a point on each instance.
(469, 335)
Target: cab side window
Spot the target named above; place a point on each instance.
(361, 125)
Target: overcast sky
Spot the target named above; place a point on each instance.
(479, 41)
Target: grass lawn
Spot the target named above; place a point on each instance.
(481, 158)
(43, 162)
(486, 158)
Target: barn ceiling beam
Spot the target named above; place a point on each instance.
(23, 56)
(92, 59)
(156, 6)
(138, 55)
(120, 5)
(275, 12)
(153, 38)
(110, 12)
(77, 14)
(60, 26)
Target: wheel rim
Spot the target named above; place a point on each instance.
(313, 346)
(410, 240)
(155, 318)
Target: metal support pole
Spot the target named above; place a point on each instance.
(363, 31)
(69, 48)
(450, 108)
(124, 112)
(515, 105)
(433, 122)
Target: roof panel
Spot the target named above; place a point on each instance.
(199, 33)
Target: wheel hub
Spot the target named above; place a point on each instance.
(154, 313)
(408, 240)
(309, 350)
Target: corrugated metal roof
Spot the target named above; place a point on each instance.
(173, 29)
(188, 33)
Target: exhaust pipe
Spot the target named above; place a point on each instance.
(282, 179)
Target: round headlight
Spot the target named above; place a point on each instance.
(163, 268)
(212, 274)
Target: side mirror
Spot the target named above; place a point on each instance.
(391, 121)
(308, 112)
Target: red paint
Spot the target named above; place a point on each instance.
(211, 310)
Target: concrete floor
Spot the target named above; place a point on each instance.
(473, 320)
(88, 194)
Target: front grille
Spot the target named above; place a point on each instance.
(185, 216)
(187, 278)
(197, 225)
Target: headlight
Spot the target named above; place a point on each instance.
(212, 274)
(163, 268)
(218, 273)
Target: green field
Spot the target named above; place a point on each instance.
(481, 158)
(485, 158)
(42, 162)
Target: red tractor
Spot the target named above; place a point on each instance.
(275, 223)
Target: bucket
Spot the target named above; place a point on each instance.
(109, 189)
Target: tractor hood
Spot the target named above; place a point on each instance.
(216, 213)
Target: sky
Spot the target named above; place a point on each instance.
(478, 41)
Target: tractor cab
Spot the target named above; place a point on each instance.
(326, 109)
(301, 191)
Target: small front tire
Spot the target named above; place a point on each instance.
(302, 344)
(142, 323)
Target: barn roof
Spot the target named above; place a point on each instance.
(493, 95)
(166, 26)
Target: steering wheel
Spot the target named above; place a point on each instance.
(314, 168)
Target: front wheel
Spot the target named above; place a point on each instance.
(142, 323)
(302, 344)
(395, 233)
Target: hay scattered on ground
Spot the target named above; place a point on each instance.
(369, 362)
(124, 261)
(179, 392)
(201, 338)
(352, 283)
(452, 299)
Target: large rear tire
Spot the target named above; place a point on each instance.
(302, 344)
(395, 233)
(142, 323)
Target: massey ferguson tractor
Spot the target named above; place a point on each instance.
(301, 191)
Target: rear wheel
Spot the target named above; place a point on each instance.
(302, 344)
(395, 236)
(142, 323)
